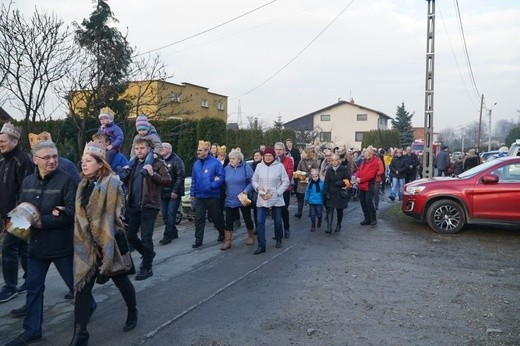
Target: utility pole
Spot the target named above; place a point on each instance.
(480, 123)
(489, 135)
(428, 102)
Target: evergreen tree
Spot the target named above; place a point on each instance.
(278, 124)
(110, 57)
(403, 124)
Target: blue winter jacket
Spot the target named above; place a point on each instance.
(203, 173)
(238, 179)
(312, 196)
(115, 135)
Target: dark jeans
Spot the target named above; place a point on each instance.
(37, 271)
(84, 299)
(212, 207)
(300, 198)
(169, 209)
(366, 199)
(285, 210)
(276, 213)
(232, 214)
(143, 220)
(12, 249)
(315, 210)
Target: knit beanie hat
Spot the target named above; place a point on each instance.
(141, 123)
(106, 112)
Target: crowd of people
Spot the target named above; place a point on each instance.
(89, 220)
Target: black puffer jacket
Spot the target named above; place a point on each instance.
(399, 167)
(57, 188)
(334, 184)
(14, 167)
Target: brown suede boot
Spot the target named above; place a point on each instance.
(250, 237)
(228, 236)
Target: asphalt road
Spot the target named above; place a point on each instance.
(398, 283)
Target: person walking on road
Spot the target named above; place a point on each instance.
(238, 182)
(270, 181)
(144, 202)
(171, 195)
(366, 179)
(15, 165)
(99, 240)
(314, 197)
(207, 176)
(288, 164)
(52, 192)
(335, 192)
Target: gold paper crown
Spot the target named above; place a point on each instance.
(95, 148)
(34, 139)
(204, 144)
(10, 129)
(106, 112)
(221, 150)
(235, 150)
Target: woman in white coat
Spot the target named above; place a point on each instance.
(270, 180)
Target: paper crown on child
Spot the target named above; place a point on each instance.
(204, 144)
(106, 112)
(95, 148)
(141, 123)
(35, 139)
(221, 150)
(12, 130)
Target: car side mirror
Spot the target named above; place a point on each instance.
(490, 179)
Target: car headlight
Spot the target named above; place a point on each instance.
(414, 189)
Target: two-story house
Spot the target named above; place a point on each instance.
(164, 100)
(342, 123)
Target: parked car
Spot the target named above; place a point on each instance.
(514, 150)
(487, 193)
(488, 155)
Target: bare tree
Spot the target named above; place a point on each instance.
(253, 123)
(35, 54)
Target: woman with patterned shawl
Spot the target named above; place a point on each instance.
(98, 223)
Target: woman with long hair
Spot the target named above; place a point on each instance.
(99, 240)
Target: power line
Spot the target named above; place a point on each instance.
(297, 55)
(208, 30)
(455, 58)
(466, 49)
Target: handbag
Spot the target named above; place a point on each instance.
(345, 193)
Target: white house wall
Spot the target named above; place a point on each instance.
(343, 124)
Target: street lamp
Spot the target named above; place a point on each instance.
(489, 135)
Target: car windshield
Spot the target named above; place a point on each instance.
(477, 169)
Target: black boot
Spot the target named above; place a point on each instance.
(80, 335)
(329, 223)
(131, 320)
(338, 228)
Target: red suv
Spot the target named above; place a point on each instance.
(487, 193)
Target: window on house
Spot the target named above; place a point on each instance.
(362, 117)
(325, 136)
(220, 106)
(174, 97)
(204, 103)
(325, 117)
(359, 136)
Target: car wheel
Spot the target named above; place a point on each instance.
(446, 216)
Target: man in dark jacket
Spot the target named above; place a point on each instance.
(144, 203)
(15, 165)
(398, 169)
(207, 175)
(53, 193)
(443, 161)
(413, 163)
(171, 195)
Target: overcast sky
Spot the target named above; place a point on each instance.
(374, 52)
